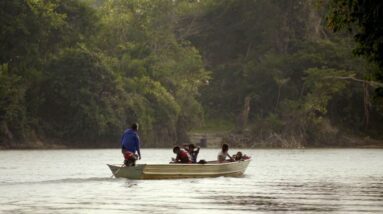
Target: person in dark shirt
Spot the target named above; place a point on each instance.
(193, 151)
(130, 145)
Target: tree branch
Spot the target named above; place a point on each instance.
(373, 84)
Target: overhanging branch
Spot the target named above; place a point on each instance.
(373, 84)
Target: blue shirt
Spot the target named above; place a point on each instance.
(130, 141)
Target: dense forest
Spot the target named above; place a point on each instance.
(272, 73)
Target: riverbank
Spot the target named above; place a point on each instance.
(54, 144)
(245, 140)
(213, 140)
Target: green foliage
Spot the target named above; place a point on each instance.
(80, 72)
(293, 70)
(264, 127)
(11, 105)
(82, 98)
(364, 20)
(163, 74)
(216, 125)
(83, 71)
(323, 85)
(162, 104)
(26, 42)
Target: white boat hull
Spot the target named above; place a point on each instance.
(175, 171)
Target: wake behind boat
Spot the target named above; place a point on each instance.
(176, 171)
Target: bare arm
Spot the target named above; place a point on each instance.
(138, 148)
(231, 158)
(178, 159)
(139, 153)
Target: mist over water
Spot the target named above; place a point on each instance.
(78, 181)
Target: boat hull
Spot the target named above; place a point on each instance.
(177, 171)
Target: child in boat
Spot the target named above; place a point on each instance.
(182, 155)
(193, 151)
(224, 153)
(239, 156)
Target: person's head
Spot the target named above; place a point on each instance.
(176, 149)
(225, 147)
(134, 126)
(238, 156)
(191, 147)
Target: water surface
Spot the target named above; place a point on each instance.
(295, 181)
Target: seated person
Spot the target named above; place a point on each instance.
(238, 156)
(182, 155)
(224, 153)
(193, 151)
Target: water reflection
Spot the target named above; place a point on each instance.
(295, 196)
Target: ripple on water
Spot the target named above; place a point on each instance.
(277, 181)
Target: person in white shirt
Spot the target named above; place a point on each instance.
(224, 153)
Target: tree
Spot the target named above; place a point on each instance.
(141, 37)
(32, 32)
(11, 106)
(365, 20)
(82, 98)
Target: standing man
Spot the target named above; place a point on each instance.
(130, 145)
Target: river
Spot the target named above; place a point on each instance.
(295, 181)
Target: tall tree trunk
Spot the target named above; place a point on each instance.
(279, 96)
(6, 136)
(182, 136)
(366, 105)
(244, 115)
